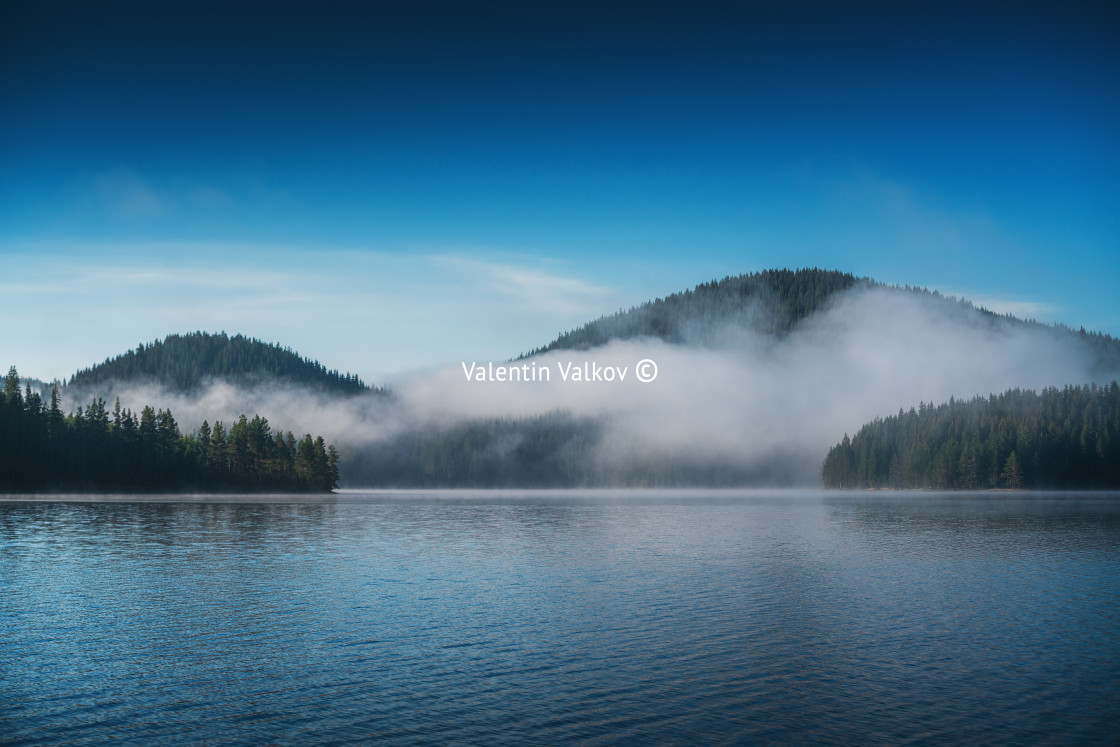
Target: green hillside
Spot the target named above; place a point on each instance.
(184, 362)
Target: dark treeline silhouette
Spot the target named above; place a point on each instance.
(184, 362)
(95, 450)
(1058, 438)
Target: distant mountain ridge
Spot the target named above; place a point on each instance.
(185, 362)
(769, 302)
(774, 302)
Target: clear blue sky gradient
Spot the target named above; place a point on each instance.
(404, 185)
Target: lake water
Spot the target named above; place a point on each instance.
(589, 617)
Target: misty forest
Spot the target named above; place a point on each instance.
(560, 449)
(1057, 438)
(1068, 438)
(98, 451)
(774, 303)
(545, 451)
(554, 450)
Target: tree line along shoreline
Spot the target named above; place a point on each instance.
(1066, 438)
(95, 449)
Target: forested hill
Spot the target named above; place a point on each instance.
(184, 362)
(774, 302)
(769, 302)
(1059, 438)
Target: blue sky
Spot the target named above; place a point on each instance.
(397, 187)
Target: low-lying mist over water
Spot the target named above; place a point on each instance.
(750, 406)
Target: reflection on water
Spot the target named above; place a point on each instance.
(548, 617)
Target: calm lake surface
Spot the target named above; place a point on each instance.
(598, 618)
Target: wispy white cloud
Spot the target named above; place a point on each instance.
(1019, 308)
(235, 278)
(376, 313)
(124, 193)
(914, 221)
(533, 286)
(65, 278)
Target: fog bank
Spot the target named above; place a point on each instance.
(748, 401)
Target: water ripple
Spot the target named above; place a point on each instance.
(570, 618)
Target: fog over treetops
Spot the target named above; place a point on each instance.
(758, 376)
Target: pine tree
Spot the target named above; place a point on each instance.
(1011, 474)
